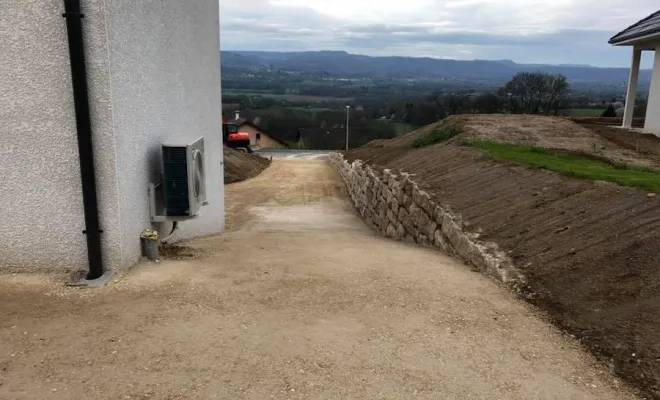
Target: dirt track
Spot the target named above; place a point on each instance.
(298, 300)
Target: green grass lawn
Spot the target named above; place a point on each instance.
(586, 112)
(573, 165)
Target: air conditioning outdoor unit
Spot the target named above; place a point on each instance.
(184, 179)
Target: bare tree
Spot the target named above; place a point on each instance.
(452, 103)
(487, 103)
(535, 93)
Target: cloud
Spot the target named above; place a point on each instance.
(539, 31)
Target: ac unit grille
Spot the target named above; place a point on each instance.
(175, 180)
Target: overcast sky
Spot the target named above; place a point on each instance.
(528, 31)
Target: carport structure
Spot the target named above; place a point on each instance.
(642, 36)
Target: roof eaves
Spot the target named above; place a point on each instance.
(621, 36)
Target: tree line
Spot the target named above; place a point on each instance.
(532, 93)
(283, 123)
(525, 93)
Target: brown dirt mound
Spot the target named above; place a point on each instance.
(240, 166)
(617, 121)
(588, 249)
(644, 145)
(533, 130)
(408, 139)
(552, 133)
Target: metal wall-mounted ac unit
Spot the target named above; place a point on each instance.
(184, 179)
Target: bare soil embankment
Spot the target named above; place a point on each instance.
(646, 145)
(590, 250)
(240, 166)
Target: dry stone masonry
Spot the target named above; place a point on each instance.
(396, 207)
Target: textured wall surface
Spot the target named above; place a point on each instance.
(41, 218)
(165, 66)
(396, 207)
(153, 69)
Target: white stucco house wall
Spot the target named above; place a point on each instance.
(642, 36)
(153, 69)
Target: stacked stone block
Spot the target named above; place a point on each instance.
(396, 207)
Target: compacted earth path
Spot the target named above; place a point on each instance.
(297, 300)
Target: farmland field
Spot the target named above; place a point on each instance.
(403, 128)
(291, 97)
(400, 128)
(316, 109)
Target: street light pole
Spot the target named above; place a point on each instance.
(348, 108)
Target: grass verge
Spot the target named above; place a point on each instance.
(573, 165)
(440, 133)
(586, 112)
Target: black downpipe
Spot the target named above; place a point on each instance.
(74, 16)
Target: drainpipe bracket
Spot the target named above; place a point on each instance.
(67, 15)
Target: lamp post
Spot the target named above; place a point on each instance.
(348, 109)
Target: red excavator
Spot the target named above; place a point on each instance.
(239, 141)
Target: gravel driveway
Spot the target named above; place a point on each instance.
(298, 300)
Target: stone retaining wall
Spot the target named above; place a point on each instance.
(396, 207)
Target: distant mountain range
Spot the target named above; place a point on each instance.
(343, 64)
